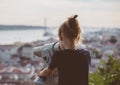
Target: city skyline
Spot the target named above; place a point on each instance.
(96, 13)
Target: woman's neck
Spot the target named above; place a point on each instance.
(69, 45)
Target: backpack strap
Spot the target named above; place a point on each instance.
(53, 50)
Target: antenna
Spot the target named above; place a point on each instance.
(45, 24)
(46, 33)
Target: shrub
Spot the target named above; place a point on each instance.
(108, 74)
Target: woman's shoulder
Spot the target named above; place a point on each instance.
(84, 51)
(86, 54)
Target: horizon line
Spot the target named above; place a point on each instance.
(55, 26)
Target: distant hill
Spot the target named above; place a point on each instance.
(19, 27)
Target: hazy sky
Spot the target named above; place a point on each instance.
(101, 13)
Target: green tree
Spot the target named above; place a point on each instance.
(108, 74)
(113, 39)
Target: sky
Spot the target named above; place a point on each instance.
(95, 13)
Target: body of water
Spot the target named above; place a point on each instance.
(29, 35)
(12, 36)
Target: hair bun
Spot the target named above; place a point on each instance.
(75, 16)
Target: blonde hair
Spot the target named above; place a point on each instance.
(71, 29)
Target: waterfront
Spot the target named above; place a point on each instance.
(19, 66)
(30, 35)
